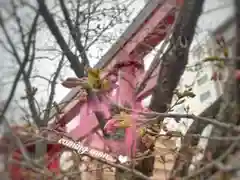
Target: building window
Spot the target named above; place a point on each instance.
(202, 80)
(204, 96)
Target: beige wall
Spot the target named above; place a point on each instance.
(161, 170)
(163, 149)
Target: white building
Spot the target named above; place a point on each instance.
(208, 91)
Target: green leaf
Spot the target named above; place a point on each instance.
(211, 59)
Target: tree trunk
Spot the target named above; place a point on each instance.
(173, 64)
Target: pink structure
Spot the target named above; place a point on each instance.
(125, 59)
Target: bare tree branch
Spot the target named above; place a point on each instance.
(52, 91)
(77, 67)
(75, 33)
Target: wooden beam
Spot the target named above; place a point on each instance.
(142, 40)
(138, 22)
(150, 84)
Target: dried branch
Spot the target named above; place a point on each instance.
(75, 33)
(13, 89)
(76, 65)
(52, 91)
